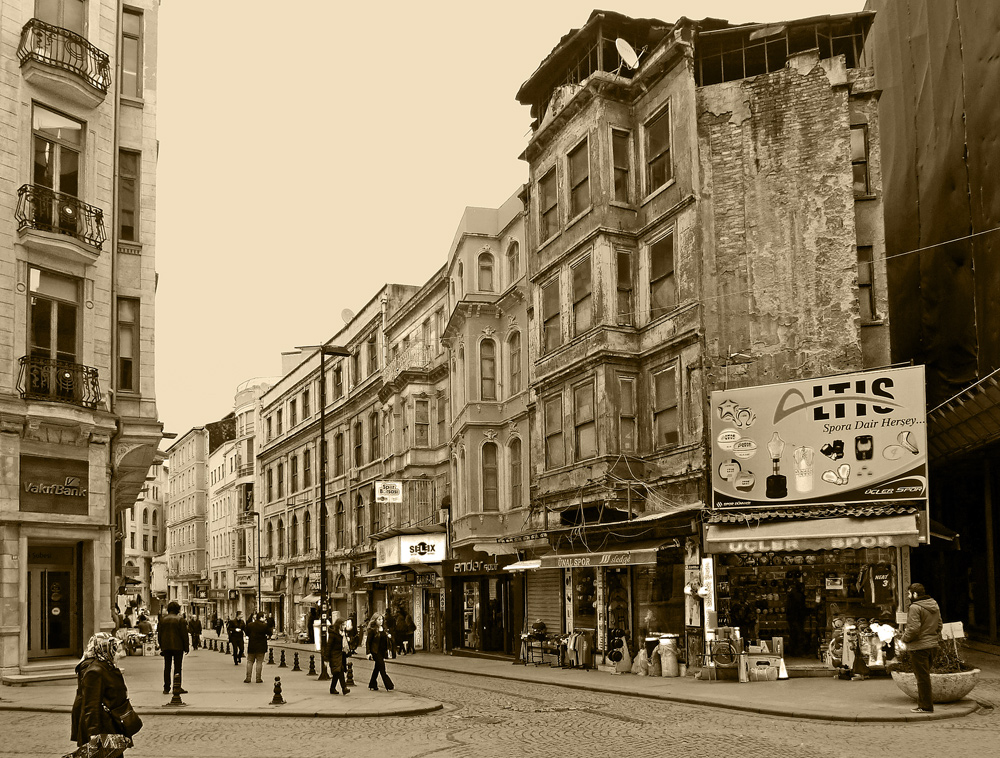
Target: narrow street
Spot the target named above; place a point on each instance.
(486, 718)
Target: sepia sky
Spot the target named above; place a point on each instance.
(311, 151)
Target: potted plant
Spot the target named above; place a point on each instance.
(951, 678)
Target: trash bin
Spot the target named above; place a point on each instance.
(669, 644)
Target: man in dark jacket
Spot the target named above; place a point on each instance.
(194, 627)
(257, 635)
(235, 630)
(172, 635)
(923, 632)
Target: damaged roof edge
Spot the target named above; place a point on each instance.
(568, 39)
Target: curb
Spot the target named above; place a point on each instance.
(263, 712)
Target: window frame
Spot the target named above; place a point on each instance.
(548, 214)
(488, 370)
(139, 38)
(134, 195)
(580, 424)
(615, 168)
(575, 183)
(626, 416)
(661, 409)
(516, 468)
(551, 323)
(490, 478)
(513, 259)
(374, 439)
(421, 422)
(358, 434)
(554, 442)
(514, 363)
(486, 272)
(666, 278)
(864, 161)
(338, 454)
(866, 285)
(649, 159)
(582, 302)
(306, 468)
(133, 370)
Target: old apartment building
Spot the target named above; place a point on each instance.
(705, 213)
(78, 421)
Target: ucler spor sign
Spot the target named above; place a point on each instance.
(848, 438)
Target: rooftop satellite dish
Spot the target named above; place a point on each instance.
(628, 56)
(347, 314)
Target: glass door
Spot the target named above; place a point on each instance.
(53, 616)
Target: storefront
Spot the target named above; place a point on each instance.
(406, 583)
(630, 591)
(803, 580)
(485, 616)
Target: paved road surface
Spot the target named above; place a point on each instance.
(486, 718)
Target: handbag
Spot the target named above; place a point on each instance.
(125, 718)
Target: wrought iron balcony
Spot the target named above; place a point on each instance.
(61, 48)
(58, 381)
(417, 357)
(50, 211)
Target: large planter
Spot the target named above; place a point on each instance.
(945, 688)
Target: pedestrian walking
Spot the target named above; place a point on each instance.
(336, 649)
(194, 627)
(256, 645)
(235, 631)
(270, 625)
(378, 646)
(172, 635)
(100, 688)
(920, 638)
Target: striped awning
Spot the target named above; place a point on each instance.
(813, 534)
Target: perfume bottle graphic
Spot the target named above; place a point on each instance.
(803, 457)
(776, 485)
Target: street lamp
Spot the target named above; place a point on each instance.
(324, 350)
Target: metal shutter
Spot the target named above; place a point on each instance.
(543, 594)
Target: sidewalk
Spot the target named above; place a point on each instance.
(216, 688)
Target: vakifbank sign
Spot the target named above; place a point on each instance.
(851, 438)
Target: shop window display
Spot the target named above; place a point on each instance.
(659, 600)
(805, 598)
(585, 598)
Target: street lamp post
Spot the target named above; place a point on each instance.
(324, 350)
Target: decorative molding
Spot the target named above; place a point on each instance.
(512, 430)
(511, 320)
(122, 449)
(490, 434)
(486, 248)
(10, 426)
(100, 438)
(489, 331)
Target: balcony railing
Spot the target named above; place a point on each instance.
(50, 211)
(246, 471)
(58, 381)
(61, 48)
(416, 357)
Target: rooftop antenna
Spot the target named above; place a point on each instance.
(627, 54)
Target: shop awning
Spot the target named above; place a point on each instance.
(385, 577)
(524, 565)
(636, 554)
(813, 534)
(310, 600)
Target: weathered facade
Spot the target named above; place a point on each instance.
(694, 225)
(78, 420)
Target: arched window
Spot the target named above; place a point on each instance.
(491, 483)
(341, 537)
(359, 520)
(485, 272)
(281, 538)
(514, 451)
(145, 515)
(513, 262)
(154, 517)
(514, 364)
(487, 370)
(373, 439)
(294, 549)
(459, 274)
(306, 532)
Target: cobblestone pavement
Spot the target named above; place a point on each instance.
(490, 718)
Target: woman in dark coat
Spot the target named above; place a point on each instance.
(336, 656)
(99, 683)
(378, 647)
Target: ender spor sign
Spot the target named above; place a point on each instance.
(850, 438)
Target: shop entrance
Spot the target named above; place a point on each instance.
(53, 602)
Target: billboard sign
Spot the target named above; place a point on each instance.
(850, 438)
(388, 492)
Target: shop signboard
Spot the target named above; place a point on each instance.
(850, 438)
(422, 548)
(388, 492)
(486, 565)
(244, 581)
(54, 485)
(267, 584)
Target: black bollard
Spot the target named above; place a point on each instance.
(350, 674)
(270, 656)
(324, 676)
(227, 649)
(176, 699)
(282, 665)
(277, 699)
(312, 666)
(295, 662)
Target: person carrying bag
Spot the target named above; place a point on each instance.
(103, 720)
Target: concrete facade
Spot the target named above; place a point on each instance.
(77, 284)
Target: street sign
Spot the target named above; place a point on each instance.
(388, 492)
